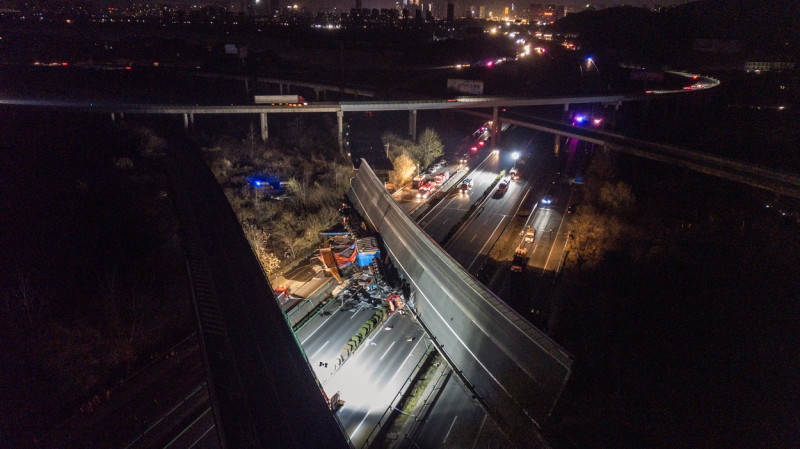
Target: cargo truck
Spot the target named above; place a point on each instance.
(520, 260)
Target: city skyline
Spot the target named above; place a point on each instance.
(497, 6)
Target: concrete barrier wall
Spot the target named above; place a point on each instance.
(517, 371)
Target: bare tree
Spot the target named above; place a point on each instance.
(31, 300)
(299, 190)
(617, 197)
(430, 147)
(404, 170)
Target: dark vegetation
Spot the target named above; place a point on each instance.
(665, 39)
(307, 178)
(749, 118)
(91, 277)
(679, 302)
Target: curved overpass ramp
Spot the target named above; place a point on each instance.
(513, 369)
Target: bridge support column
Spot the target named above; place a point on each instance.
(565, 114)
(264, 127)
(316, 94)
(340, 130)
(412, 124)
(557, 145)
(122, 116)
(493, 129)
(247, 84)
(191, 119)
(113, 117)
(185, 121)
(280, 88)
(616, 111)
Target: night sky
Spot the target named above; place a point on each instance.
(491, 5)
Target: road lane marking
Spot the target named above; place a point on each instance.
(318, 350)
(387, 349)
(355, 431)
(404, 362)
(480, 429)
(320, 326)
(450, 429)
(480, 252)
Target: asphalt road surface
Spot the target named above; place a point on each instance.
(370, 380)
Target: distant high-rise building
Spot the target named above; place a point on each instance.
(554, 12)
(535, 13)
(358, 5)
(482, 12)
(451, 8)
(545, 13)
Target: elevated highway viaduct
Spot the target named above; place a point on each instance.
(515, 371)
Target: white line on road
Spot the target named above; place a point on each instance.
(318, 350)
(480, 429)
(450, 429)
(320, 327)
(480, 253)
(387, 349)
(355, 431)
(404, 362)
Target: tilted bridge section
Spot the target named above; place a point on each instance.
(514, 370)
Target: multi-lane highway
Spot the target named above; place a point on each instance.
(370, 380)
(471, 243)
(456, 419)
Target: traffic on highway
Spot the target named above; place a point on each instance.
(502, 214)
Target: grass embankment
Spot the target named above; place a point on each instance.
(410, 399)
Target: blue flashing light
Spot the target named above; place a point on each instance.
(261, 180)
(580, 118)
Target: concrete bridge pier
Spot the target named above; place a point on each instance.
(188, 120)
(493, 129)
(340, 130)
(557, 145)
(265, 127)
(247, 84)
(616, 111)
(113, 117)
(412, 124)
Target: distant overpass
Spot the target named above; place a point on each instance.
(769, 179)
(514, 370)
(778, 182)
(339, 108)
